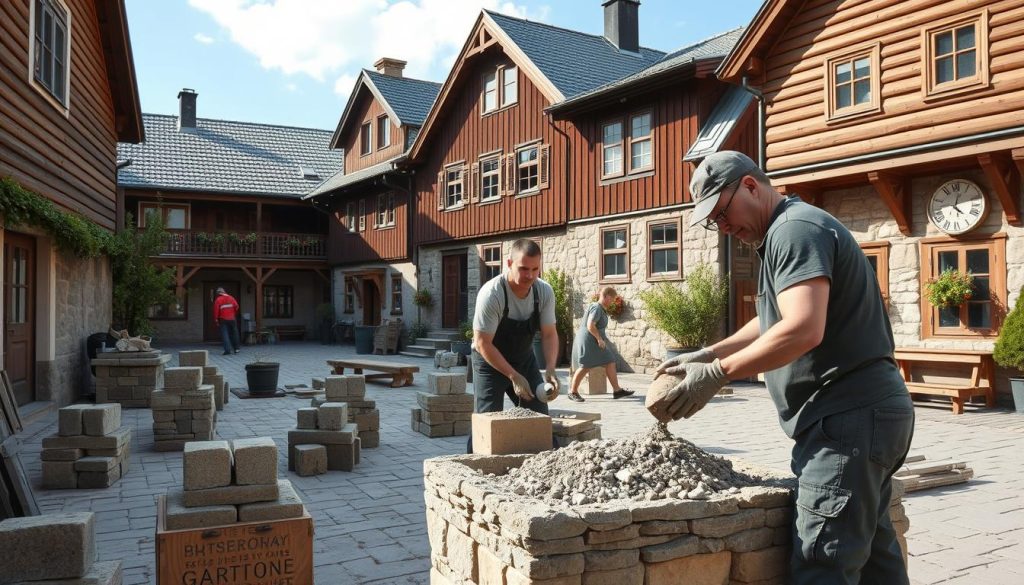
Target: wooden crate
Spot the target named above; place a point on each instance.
(245, 553)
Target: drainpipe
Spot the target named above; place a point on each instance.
(761, 154)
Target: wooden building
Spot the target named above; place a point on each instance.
(903, 120)
(67, 95)
(230, 193)
(369, 201)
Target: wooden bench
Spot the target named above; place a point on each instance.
(290, 331)
(979, 381)
(400, 374)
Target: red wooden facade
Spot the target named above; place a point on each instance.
(367, 110)
(375, 242)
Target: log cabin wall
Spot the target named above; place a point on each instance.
(220, 213)
(369, 110)
(798, 132)
(463, 134)
(387, 243)
(69, 159)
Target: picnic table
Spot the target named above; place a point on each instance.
(400, 373)
(975, 367)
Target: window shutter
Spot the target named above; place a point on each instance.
(440, 190)
(510, 174)
(543, 166)
(474, 183)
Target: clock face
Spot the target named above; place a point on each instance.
(957, 207)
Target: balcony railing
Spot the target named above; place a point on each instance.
(253, 244)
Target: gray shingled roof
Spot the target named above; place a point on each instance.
(340, 179)
(574, 62)
(717, 46)
(227, 157)
(720, 123)
(409, 98)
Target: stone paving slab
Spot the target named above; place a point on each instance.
(370, 523)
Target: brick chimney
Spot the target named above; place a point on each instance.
(622, 25)
(187, 109)
(389, 66)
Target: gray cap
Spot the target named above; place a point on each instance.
(714, 173)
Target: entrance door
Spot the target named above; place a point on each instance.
(454, 293)
(19, 314)
(371, 302)
(210, 330)
(744, 270)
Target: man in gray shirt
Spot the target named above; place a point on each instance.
(824, 342)
(510, 309)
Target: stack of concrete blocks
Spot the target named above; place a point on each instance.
(505, 432)
(129, 378)
(569, 427)
(90, 450)
(323, 439)
(232, 482)
(480, 535)
(184, 410)
(200, 358)
(445, 410)
(54, 549)
(362, 412)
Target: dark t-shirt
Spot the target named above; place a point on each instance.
(853, 365)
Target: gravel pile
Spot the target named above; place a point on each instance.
(653, 465)
(517, 412)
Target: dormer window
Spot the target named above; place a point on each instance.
(956, 55)
(501, 89)
(365, 139)
(852, 83)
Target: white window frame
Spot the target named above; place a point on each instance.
(508, 86)
(607, 146)
(652, 248)
(362, 215)
(383, 138)
(496, 173)
(632, 140)
(455, 190)
(486, 263)
(625, 252)
(385, 216)
(63, 16)
(489, 78)
(366, 138)
(350, 217)
(520, 166)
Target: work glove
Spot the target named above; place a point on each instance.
(700, 382)
(521, 387)
(674, 365)
(556, 386)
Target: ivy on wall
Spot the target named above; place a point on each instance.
(72, 233)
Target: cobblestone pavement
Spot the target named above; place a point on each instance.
(370, 525)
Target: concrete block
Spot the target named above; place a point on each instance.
(332, 416)
(218, 397)
(596, 381)
(343, 437)
(341, 457)
(208, 371)
(359, 448)
(232, 494)
(181, 516)
(113, 440)
(306, 418)
(183, 378)
(100, 464)
(760, 564)
(206, 464)
(416, 419)
(438, 382)
(62, 454)
(445, 402)
(195, 357)
(163, 400)
(432, 431)
(255, 461)
(101, 573)
(287, 505)
(318, 383)
(202, 426)
(182, 426)
(59, 475)
(369, 439)
(495, 433)
(51, 546)
(308, 460)
(366, 422)
(462, 427)
(99, 479)
(69, 420)
(163, 415)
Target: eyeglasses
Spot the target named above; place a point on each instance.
(711, 223)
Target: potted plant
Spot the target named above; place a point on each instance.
(951, 289)
(1009, 351)
(423, 298)
(613, 310)
(690, 316)
(463, 345)
(325, 315)
(261, 375)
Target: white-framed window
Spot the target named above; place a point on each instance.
(362, 215)
(365, 139)
(640, 142)
(490, 98)
(51, 49)
(174, 216)
(663, 248)
(350, 296)
(385, 216)
(615, 254)
(490, 258)
(527, 169)
(396, 294)
(611, 149)
(956, 54)
(509, 86)
(350, 216)
(490, 178)
(383, 132)
(627, 145)
(454, 186)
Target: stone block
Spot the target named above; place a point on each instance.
(722, 526)
(495, 433)
(341, 457)
(99, 479)
(59, 475)
(232, 494)
(760, 564)
(343, 437)
(596, 381)
(51, 546)
(700, 569)
(207, 371)
(318, 383)
(255, 461)
(432, 431)
(181, 516)
(308, 460)
(369, 421)
(183, 378)
(93, 463)
(163, 415)
(332, 416)
(344, 388)
(163, 400)
(610, 560)
(113, 440)
(369, 439)
(69, 420)
(359, 448)
(462, 427)
(218, 397)
(446, 402)
(194, 357)
(417, 415)
(62, 454)
(183, 426)
(305, 418)
(201, 426)
(287, 505)
(206, 464)
(439, 382)
(101, 573)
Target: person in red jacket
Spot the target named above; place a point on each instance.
(225, 309)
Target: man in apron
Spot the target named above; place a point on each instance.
(510, 309)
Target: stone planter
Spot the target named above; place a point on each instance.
(480, 535)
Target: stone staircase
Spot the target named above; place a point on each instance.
(435, 340)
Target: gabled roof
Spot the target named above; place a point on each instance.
(711, 49)
(762, 32)
(120, 66)
(341, 180)
(406, 100)
(221, 156)
(719, 126)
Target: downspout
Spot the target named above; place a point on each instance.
(567, 163)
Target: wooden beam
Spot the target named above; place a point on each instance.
(323, 274)
(251, 276)
(895, 193)
(809, 193)
(1005, 178)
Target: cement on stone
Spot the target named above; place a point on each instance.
(181, 516)
(51, 546)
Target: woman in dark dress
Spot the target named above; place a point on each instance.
(590, 347)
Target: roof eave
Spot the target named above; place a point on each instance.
(734, 63)
(362, 81)
(120, 66)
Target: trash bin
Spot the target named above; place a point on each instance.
(364, 338)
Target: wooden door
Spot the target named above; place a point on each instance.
(744, 271)
(211, 332)
(19, 314)
(371, 303)
(454, 292)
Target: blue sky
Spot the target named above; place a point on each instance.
(293, 62)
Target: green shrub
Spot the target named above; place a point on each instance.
(562, 286)
(1009, 350)
(417, 330)
(692, 316)
(466, 330)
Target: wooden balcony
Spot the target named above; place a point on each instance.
(246, 245)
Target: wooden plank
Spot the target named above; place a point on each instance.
(912, 470)
(913, 484)
(23, 501)
(9, 404)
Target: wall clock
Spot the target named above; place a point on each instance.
(957, 207)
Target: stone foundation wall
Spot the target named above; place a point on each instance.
(482, 536)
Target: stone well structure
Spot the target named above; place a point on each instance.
(482, 534)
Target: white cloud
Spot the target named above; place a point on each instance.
(203, 39)
(333, 39)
